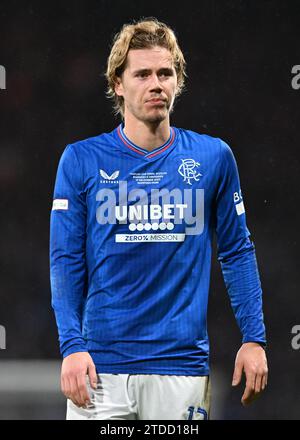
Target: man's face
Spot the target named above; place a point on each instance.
(148, 84)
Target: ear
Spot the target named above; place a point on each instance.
(119, 86)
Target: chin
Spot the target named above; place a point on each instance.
(156, 117)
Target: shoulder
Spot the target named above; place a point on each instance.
(82, 146)
(213, 143)
(85, 151)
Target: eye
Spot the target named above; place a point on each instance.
(142, 74)
(166, 73)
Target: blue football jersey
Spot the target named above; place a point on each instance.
(130, 251)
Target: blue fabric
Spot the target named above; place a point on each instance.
(130, 251)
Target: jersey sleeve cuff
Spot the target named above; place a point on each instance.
(74, 349)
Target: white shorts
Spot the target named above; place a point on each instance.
(145, 397)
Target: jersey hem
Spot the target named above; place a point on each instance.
(161, 371)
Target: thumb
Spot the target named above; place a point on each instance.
(237, 374)
(92, 375)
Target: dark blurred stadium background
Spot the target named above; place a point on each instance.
(240, 55)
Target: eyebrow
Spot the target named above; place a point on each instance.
(162, 69)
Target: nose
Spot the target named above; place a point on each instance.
(155, 84)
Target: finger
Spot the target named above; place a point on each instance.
(62, 385)
(251, 399)
(250, 388)
(237, 374)
(74, 394)
(258, 383)
(264, 381)
(93, 375)
(65, 386)
(247, 396)
(83, 394)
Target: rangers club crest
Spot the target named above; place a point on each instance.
(188, 171)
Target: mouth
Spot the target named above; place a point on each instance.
(156, 101)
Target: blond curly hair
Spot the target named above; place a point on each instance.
(143, 34)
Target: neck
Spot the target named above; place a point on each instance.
(147, 135)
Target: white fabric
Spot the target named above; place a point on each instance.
(145, 397)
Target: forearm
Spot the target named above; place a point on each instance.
(241, 276)
(67, 253)
(68, 292)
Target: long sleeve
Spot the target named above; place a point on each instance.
(236, 252)
(67, 253)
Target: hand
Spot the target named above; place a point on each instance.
(251, 358)
(74, 369)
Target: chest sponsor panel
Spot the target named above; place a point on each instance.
(159, 214)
